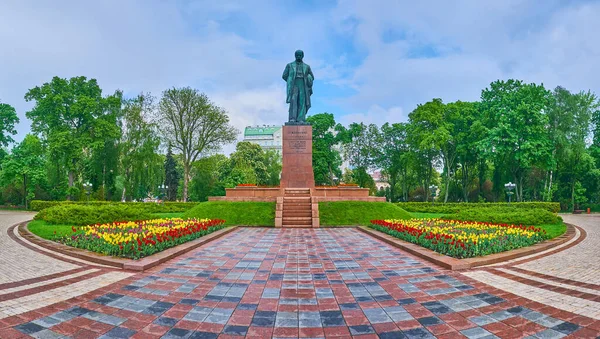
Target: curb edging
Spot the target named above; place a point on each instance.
(122, 263)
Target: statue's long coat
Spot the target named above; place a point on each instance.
(289, 74)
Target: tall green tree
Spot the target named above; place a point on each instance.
(326, 156)
(467, 131)
(64, 116)
(206, 177)
(171, 176)
(25, 167)
(571, 116)
(194, 126)
(392, 158)
(8, 119)
(516, 122)
(361, 149)
(141, 165)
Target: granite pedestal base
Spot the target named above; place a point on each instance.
(297, 170)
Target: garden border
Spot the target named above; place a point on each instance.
(139, 265)
(468, 263)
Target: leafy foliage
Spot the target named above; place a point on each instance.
(76, 214)
(517, 216)
(455, 207)
(8, 119)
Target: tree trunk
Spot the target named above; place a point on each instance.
(573, 194)
(71, 181)
(549, 198)
(186, 179)
(465, 181)
(25, 190)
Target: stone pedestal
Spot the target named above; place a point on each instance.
(297, 170)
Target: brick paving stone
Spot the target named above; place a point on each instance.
(309, 283)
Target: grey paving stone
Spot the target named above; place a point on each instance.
(483, 320)
(361, 329)
(29, 328)
(566, 327)
(48, 334)
(47, 322)
(377, 315)
(549, 334)
(475, 333)
(120, 333)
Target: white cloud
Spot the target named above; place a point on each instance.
(374, 52)
(376, 115)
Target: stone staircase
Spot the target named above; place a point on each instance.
(296, 209)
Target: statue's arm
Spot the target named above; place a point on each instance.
(311, 77)
(286, 72)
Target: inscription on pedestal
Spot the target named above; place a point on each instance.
(297, 146)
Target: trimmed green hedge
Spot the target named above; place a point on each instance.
(351, 213)
(517, 216)
(242, 213)
(454, 207)
(76, 214)
(167, 207)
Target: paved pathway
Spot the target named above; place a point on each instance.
(568, 280)
(261, 283)
(30, 278)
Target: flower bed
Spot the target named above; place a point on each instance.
(136, 239)
(461, 239)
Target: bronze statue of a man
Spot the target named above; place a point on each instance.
(299, 78)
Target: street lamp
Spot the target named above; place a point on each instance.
(88, 189)
(163, 190)
(433, 189)
(510, 186)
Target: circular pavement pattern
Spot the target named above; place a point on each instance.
(310, 283)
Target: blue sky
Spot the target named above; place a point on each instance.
(373, 60)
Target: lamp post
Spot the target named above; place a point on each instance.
(88, 190)
(433, 189)
(163, 190)
(510, 186)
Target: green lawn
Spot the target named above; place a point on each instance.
(554, 230)
(358, 213)
(45, 230)
(235, 213)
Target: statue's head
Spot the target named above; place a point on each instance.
(299, 55)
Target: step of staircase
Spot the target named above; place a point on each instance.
(297, 206)
(297, 213)
(296, 199)
(297, 221)
(297, 226)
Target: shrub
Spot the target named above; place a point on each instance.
(517, 216)
(151, 207)
(76, 214)
(454, 207)
(350, 213)
(242, 213)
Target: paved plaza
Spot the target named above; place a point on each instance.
(309, 283)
